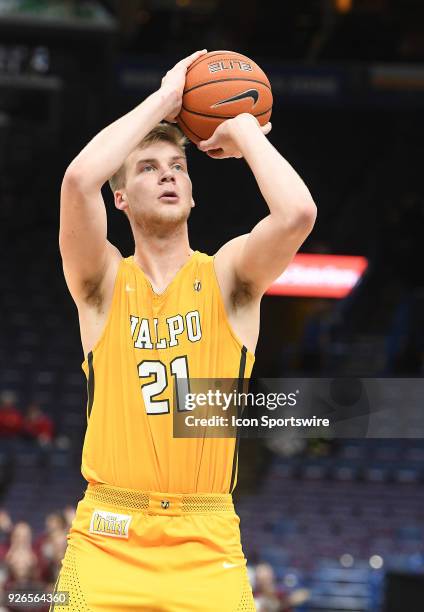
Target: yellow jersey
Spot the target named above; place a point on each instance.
(150, 340)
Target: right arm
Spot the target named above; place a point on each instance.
(89, 259)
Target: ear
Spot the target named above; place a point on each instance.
(120, 200)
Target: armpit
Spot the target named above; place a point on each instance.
(92, 294)
(241, 295)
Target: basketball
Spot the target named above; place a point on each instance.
(220, 85)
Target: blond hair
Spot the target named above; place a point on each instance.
(163, 132)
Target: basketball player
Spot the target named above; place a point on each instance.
(156, 529)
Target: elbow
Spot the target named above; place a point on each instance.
(307, 215)
(78, 179)
(73, 177)
(302, 218)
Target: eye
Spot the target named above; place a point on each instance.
(147, 168)
(179, 167)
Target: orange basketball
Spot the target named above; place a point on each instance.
(220, 85)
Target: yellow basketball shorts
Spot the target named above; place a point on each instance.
(130, 551)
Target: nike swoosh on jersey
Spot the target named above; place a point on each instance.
(249, 93)
(227, 565)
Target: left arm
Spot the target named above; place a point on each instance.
(253, 261)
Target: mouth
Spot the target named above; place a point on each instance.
(169, 196)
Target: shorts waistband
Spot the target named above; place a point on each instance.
(166, 504)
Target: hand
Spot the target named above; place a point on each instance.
(222, 143)
(174, 80)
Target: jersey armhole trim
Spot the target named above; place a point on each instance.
(225, 315)
(240, 389)
(85, 363)
(90, 385)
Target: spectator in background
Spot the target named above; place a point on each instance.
(21, 562)
(6, 526)
(37, 425)
(11, 421)
(51, 546)
(53, 558)
(54, 523)
(268, 597)
(69, 514)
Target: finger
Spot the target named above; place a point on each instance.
(220, 154)
(266, 128)
(216, 154)
(206, 145)
(197, 54)
(187, 61)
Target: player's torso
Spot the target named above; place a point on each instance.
(150, 342)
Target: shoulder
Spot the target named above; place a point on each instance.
(231, 248)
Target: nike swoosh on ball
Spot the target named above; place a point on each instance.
(249, 93)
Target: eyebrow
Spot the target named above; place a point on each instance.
(153, 160)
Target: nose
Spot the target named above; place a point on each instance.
(167, 176)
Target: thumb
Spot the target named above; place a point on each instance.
(205, 145)
(266, 128)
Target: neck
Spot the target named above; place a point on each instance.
(160, 257)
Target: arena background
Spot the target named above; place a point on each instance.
(326, 524)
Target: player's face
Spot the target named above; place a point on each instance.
(158, 189)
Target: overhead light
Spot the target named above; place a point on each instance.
(376, 562)
(347, 560)
(344, 6)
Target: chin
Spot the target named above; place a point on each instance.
(173, 214)
(165, 221)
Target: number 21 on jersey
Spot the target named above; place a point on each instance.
(178, 369)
